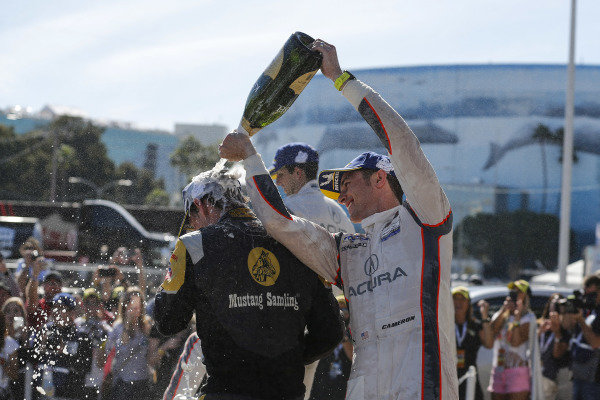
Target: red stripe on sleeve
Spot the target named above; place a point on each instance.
(267, 201)
(422, 320)
(380, 123)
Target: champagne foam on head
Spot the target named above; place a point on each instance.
(216, 182)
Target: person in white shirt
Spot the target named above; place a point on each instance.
(295, 170)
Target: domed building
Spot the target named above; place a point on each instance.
(479, 127)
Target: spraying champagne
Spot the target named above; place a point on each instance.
(281, 83)
(275, 90)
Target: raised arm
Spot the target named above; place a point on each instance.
(413, 170)
(309, 242)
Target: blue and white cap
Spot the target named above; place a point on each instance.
(293, 153)
(330, 179)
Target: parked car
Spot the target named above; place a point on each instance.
(495, 296)
(69, 232)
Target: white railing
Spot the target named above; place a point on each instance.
(471, 377)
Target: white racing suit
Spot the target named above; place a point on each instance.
(309, 203)
(188, 373)
(396, 276)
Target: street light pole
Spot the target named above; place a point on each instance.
(567, 156)
(100, 189)
(54, 133)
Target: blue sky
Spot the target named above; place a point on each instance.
(155, 63)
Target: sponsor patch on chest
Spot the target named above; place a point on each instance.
(391, 229)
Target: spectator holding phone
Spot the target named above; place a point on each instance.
(7, 279)
(16, 325)
(64, 350)
(8, 360)
(585, 345)
(133, 350)
(105, 279)
(38, 310)
(94, 326)
(511, 378)
(32, 257)
(553, 340)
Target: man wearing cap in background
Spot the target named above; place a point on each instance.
(63, 351)
(295, 169)
(253, 299)
(396, 276)
(38, 310)
(93, 324)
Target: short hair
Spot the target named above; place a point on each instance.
(392, 180)
(591, 280)
(311, 169)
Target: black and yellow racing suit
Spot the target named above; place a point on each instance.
(261, 315)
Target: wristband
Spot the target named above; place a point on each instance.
(343, 78)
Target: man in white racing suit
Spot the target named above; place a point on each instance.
(396, 276)
(295, 169)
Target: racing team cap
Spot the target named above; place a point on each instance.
(64, 299)
(293, 153)
(330, 179)
(521, 284)
(90, 292)
(462, 290)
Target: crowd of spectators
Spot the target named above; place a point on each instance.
(98, 341)
(555, 357)
(88, 339)
(94, 337)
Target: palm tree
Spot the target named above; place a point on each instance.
(544, 135)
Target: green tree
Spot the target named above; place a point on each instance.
(192, 157)
(512, 241)
(20, 157)
(26, 163)
(157, 197)
(143, 183)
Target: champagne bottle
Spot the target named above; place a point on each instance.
(281, 83)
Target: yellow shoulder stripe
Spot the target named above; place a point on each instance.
(176, 271)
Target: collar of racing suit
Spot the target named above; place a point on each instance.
(371, 221)
(310, 186)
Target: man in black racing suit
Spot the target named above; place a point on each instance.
(261, 315)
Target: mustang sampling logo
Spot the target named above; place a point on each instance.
(263, 266)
